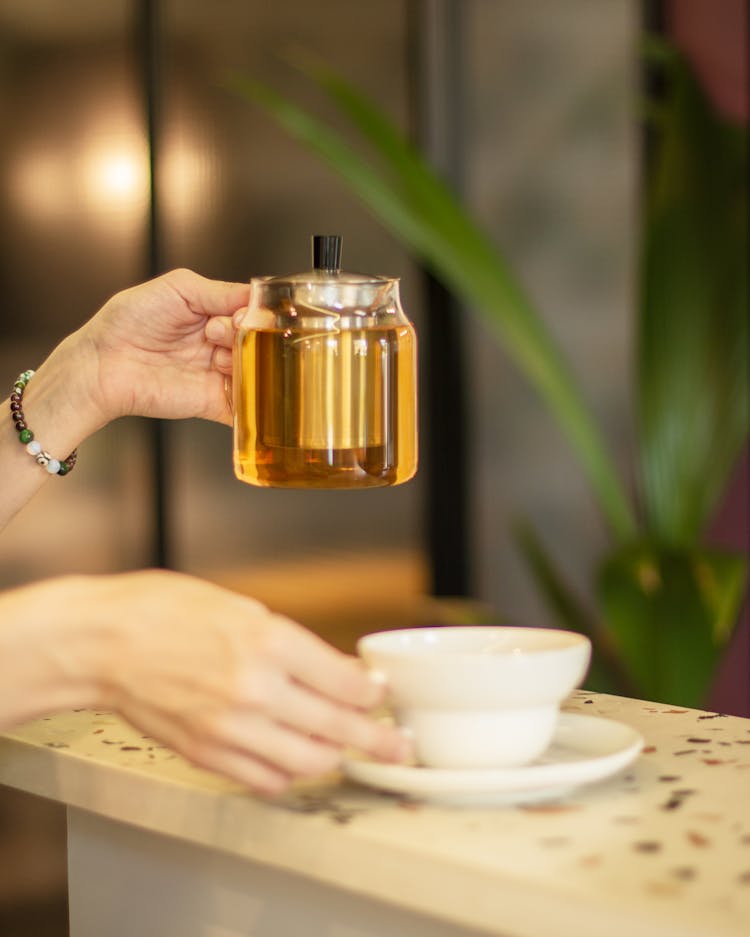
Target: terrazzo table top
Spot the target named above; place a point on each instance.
(660, 850)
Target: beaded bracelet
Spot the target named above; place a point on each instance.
(26, 437)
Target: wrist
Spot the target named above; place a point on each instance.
(60, 401)
(53, 654)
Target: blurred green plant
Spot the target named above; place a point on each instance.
(664, 603)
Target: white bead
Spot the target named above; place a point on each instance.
(34, 447)
(53, 466)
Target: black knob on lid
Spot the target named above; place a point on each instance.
(327, 252)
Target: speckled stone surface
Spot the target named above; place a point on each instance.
(661, 849)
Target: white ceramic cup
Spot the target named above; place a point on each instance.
(478, 697)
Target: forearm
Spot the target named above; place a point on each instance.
(52, 652)
(59, 407)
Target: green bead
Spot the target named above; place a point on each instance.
(63, 470)
(25, 435)
(19, 387)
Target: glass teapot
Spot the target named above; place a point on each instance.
(325, 380)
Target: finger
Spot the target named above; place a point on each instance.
(235, 763)
(220, 331)
(239, 766)
(209, 297)
(344, 727)
(317, 665)
(262, 737)
(221, 360)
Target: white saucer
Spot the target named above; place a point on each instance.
(584, 749)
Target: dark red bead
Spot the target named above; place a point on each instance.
(20, 425)
(15, 398)
(14, 406)
(17, 415)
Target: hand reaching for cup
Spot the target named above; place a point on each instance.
(212, 674)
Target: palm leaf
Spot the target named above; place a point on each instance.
(671, 612)
(693, 332)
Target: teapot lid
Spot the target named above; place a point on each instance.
(326, 258)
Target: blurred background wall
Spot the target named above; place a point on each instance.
(549, 153)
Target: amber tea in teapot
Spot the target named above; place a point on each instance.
(325, 380)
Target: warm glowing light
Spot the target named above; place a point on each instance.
(49, 186)
(114, 174)
(120, 176)
(107, 172)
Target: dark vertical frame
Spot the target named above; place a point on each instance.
(147, 39)
(435, 46)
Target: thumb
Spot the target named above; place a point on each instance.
(208, 297)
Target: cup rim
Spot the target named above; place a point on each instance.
(376, 641)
